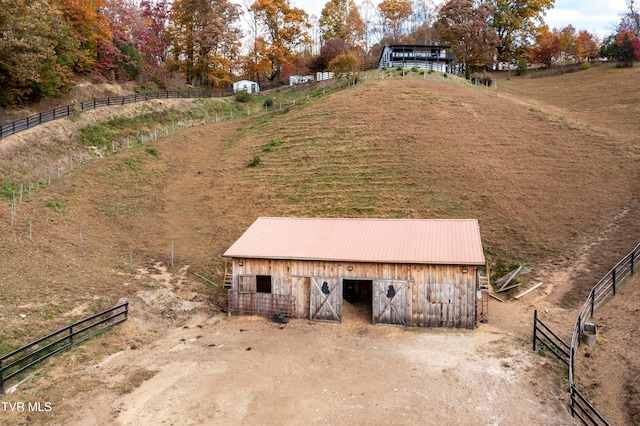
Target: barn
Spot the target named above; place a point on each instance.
(408, 272)
(432, 57)
(246, 85)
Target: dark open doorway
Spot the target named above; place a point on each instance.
(357, 295)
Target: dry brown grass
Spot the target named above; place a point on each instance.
(547, 166)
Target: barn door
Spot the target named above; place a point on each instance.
(325, 299)
(390, 302)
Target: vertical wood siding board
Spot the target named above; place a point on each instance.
(472, 298)
(306, 292)
(464, 306)
(468, 312)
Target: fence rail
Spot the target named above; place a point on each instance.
(265, 304)
(605, 288)
(584, 411)
(65, 111)
(542, 334)
(16, 362)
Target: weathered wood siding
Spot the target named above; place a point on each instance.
(434, 295)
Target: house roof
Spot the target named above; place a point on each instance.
(244, 81)
(438, 241)
(412, 46)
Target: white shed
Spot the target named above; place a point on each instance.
(246, 85)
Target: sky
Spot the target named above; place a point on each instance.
(599, 17)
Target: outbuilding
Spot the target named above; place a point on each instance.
(246, 85)
(408, 272)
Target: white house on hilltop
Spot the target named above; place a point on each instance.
(432, 57)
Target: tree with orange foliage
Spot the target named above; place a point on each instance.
(37, 51)
(394, 15)
(464, 25)
(344, 65)
(547, 47)
(205, 40)
(91, 28)
(284, 31)
(341, 19)
(587, 46)
(517, 22)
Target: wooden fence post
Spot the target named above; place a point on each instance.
(535, 327)
(593, 297)
(614, 281)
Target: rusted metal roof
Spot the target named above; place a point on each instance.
(441, 241)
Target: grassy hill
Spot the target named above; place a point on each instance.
(548, 166)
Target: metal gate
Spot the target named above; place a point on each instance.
(325, 299)
(390, 302)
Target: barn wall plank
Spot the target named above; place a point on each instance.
(434, 295)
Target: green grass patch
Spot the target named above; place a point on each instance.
(57, 206)
(132, 163)
(103, 134)
(255, 161)
(272, 144)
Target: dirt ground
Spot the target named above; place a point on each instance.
(199, 194)
(249, 370)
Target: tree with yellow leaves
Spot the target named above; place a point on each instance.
(394, 15)
(205, 40)
(517, 22)
(284, 31)
(341, 19)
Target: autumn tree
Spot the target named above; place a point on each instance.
(37, 51)
(422, 20)
(91, 29)
(631, 19)
(568, 43)
(517, 22)
(329, 50)
(369, 16)
(284, 30)
(394, 16)
(205, 40)
(623, 47)
(344, 65)
(587, 46)
(341, 19)
(547, 47)
(464, 25)
(154, 38)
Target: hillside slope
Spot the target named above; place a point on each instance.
(541, 185)
(551, 185)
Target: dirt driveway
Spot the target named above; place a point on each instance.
(250, 371)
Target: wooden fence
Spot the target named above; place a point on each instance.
(605, 288)
(65, 111)
(16, 362)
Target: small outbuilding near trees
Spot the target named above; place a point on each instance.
(246, 85)
(410, 272)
